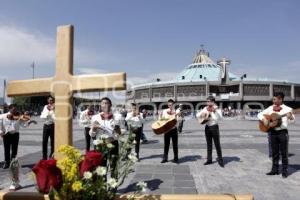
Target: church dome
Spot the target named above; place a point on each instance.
(202, 69)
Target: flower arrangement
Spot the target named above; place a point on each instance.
(95, 175)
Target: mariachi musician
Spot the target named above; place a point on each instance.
(135, 122)
(279, 134)
(10, 124)
(210, 115)
(85, 121)
(105, 125)
(48, 129)
(172, 133)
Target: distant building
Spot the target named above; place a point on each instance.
(205, 77)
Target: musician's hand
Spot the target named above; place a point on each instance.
(290, 116)
(265, 122)
(10, 116)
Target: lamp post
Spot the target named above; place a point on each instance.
(206, 86)
(242, 88)
(32, 66)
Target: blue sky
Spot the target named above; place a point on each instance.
(149, 39)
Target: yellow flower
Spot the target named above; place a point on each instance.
(77, 186)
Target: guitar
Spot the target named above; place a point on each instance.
(163, 125)
(274, 120)
(204, 118)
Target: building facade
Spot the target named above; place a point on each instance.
(205, 77)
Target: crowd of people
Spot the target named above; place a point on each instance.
(104, 122)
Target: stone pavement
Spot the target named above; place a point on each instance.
(244, 151)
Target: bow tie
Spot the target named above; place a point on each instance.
(210, 108)
(106, 116)
(277, 108)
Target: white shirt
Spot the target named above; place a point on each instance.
(48, 115)
(135, 121)
(214, 116)
(10, 126)
(85, 120)
(106, 129)
(285, 121)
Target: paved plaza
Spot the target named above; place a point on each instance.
(244, 151)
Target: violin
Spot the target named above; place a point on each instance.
(18, 116)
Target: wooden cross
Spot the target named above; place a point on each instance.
(63, 84)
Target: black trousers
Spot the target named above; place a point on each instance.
(10, 142)
(87, 138)
(172, 134)
(48, 131)
(212, 134)
(180, 125)
(279, 143)
(138, 133)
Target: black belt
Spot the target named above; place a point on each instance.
(48, 124)
(277, 132)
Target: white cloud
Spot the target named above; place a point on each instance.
(287, 72)
(87, 70)
(163, 76)
(19, 47)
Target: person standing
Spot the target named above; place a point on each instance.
(279, 134)
(180, 118)
(85, 121)
(171, 134)
(135, 122)
(10, 124)
(103, 125)
(211, 114)
(48, 129)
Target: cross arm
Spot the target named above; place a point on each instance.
(102, 82)
(29, 87)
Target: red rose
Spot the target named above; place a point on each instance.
(92, 159)
(47, 175)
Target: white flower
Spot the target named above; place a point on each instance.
(100, 171)
(87, 175)
(134, 142)
(122, 139)
(112, 183)
(97, 142)
(110, 145)
(103, 137)
(132, 157)
(142, 186)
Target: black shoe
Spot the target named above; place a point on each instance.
(221, 163)
(164, 161)
(271, 173)
(285, 174)
(5, 165)
(144, 141)
(208, 162)
(175, 160)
